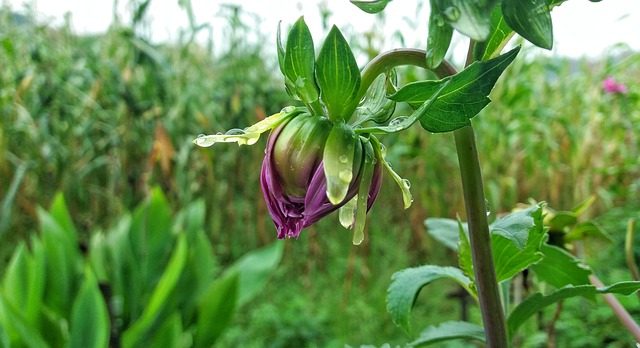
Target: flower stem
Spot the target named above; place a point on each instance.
(480, 239)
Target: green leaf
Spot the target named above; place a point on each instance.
(337, 75)
(299, 62)
(516, 226)
(439, 38)
(588, 229)
(342, 155)
(584, 205)
(255, 268)
(23, 282)
(449, 330)
(216, 309)
(406, 285)
(462, 99)
(13, 320)
(465, 260)
(508, 257)
(470, 18)
(375, 106)
(538, 301)
(60, 214)
(152, 313)
(558, 220)
(500, 34)
(444, 231)
(559, 268)
(371, 6)
(90, 326)
(169, 333)
(531, 19)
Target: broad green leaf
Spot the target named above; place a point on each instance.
(152, 313)
(470, 18)
(23, 282)
(444, 231)
(169, 333)
(462, 99)
(342, 150)
(216, 309)
(255, 268)
(449, 330)
(516, 226)
(438, 39)
(500, 34)
(509, 259)
(371, 6)
(531, 19)
(16, 325)
(4, 336)
(299, 62)
(337, 75)
(538, 301)
(559, 268)
(90, 325)
(61, 215)
(406, 285)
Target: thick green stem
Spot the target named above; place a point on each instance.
(481, 253)
(479, 237)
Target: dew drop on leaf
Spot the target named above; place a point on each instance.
(343, 159)
(452, 13)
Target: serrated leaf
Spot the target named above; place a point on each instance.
(447, 331)
(90, 325)
(559, 268)
(371, 6)
(538, 301)
(531, 19)
(509, 259)
(462, 99)
(438, 39)
(470, 18)
(406, 285)
(254, 270)
(337, 75)
(516, 226)
(299, 62)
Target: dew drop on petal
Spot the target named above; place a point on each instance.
(345, 175)
(235, 131)
(343, 159)
(396, 121)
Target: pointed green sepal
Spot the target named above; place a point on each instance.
(342, 156)
(363, 193)
(404, 184)
(250, 135)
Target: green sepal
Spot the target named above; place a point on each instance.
(337, 75)
(404, 184)
(342, 156)
(363, 192)
(299, 62)
(531, 19)
(375, 106)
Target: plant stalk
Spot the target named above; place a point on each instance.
(480, 239)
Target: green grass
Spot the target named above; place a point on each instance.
(103, 119)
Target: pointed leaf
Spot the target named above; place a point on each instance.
(462, 99)
(406, 285)
(216, 309)
(449, 330)
(13, 320)
(90, 326)
(371, 6)
(531, 19)
(538, 301)
(169, 333)
(588, 229)
(559, 268)
(500, 34)
(470, 18)
(439, 38)
(465, 260)
(337, 75)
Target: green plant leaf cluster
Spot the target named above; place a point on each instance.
(150, 281)
(518, 243)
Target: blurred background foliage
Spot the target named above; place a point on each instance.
(103, 119)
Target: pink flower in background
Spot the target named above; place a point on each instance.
(611, 86)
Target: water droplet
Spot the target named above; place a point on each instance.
(397, 121)
(200, 135)
(345, 175)
(452, 13)
(383, 150)
(439, 20)
(235, 131)
(406, 183)
(488, 207)
(343, 159)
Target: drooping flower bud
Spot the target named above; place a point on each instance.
(293, 176)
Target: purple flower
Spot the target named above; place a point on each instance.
(611, 86)
(293, 175)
